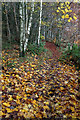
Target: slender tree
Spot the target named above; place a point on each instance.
(29, 26)
(21, 30)
(26, 17)
(14, 8)
(8, 27)
(40, 23)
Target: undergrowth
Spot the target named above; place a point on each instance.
(71, 55)
(12, 58)
(36, 49)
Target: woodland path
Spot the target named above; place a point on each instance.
(51, 46)
(38, 87)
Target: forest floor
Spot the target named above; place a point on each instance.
(52, 47)
(38, 86)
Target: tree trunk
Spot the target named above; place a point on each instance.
(29, 27)
(9, 33)
(40, 24)
(26, 17)
(21, 30)
(17, 29)
(44, 31)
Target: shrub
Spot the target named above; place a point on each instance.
(72, 54)
(36, 49)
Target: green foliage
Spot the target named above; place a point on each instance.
(36, 49)
(71, 54)
(5, 45)
(57, 43)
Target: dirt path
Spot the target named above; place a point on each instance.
(51, 46)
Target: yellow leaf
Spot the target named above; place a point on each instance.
(8, 110)
(62, 7)
(6, 104)
(66, 16)
(1, 113)
(50, 92)
(62, 4)
(69, 7)
(28, 73)
(57, 10)
(66, 82)
(46, 107)
(12, 74)
(18, 97)
(13, 68)
(33, 65)
(74, 103)
(15, 109)
(45, 115)
(75, 17)
(17, 76)
(63, 11)
(24, 98)
(70, 18)
(21, 66)
(63, 16)
(72, 108)
(67, 2)
(61, 88)
(66, 10)
(22, 110)
(34, 101)
(2, 75)
(35, 112)
(44, 91)
(16, 88)
(3, 87)
(32, 68)
(46, 103)
(25, 107)
(73, 97)
(18, 101)
(10, 99)
(70, 10)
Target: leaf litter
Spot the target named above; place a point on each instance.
(30, 92)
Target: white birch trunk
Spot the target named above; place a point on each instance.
(24, 23)
(50, 33)
(26, 16)
(29, 26)
(21, 28)
(40, 23)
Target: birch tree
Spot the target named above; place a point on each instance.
(29, 26)
(21, 29)
(40, 23)
(26, 16)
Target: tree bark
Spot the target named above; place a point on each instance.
(17, 29)
(29, 26)
(21, 30)
(40, 23)
(9, 37)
